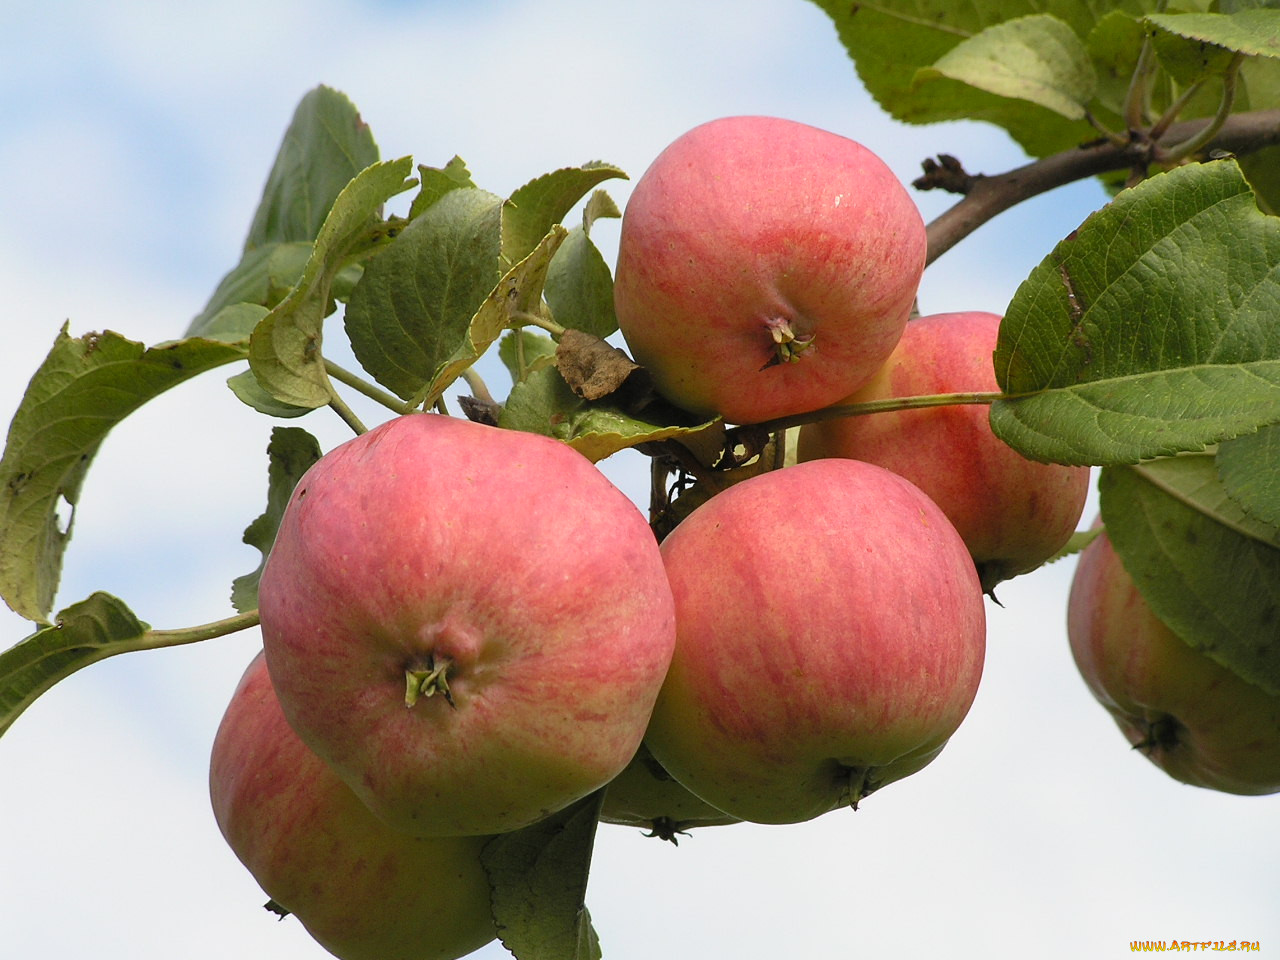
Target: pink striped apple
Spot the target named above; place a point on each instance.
(1012, 513)
(470, 624)
(361, 889)
(765, 267)
(830, 638)
(1189, 715)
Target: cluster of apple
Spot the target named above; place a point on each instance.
(467, 628)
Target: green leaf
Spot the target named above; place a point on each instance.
(1263, 170)
(84, 387)
(1151, 330)
(1255, 32)
(325, 146)
(1215, 587)
(284, 351)
(600, 205)
(290, 452)
(1037, 58)
(249, 391)
(539, 879)
(517, 294)
(263, 277)
(1193, 479)
(1114, 44)
(437, 181)
(579, 287)
(412, 309)
(435, 300)
(543, 403)
(84, 633)
(543, 202)
(525, 351)
(1249, 468)
(1190, 61)
(1235, 6)
(234, 323)
(891, 40)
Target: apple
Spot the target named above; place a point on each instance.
(1012, 513)
(362, 890)
(644, 795)
(470, 624)
(1192, 717)
(830, 633)
(765, 268)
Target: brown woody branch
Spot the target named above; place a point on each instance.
(987, 196)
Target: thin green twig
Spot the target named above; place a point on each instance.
(360, 385)
(1193, 144)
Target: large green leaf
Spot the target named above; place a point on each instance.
(1037, 58)
(1251, 32)
(516, 296)
(1151, 330)
(1194, 479)
(1215, 585)
(579, 283)
(84, 387)
(290, 453)
(412, 310)
(98, 627)
(1249, 468)
(285, 349)
(324, 147)
(544, 201)
(83, 633)
(539, 880)
(1114, 44)
(890, 41)
(263, 277)
(435, 182)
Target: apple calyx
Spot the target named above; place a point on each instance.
(859, 784)
(1162, 734)
(428, 681)
(665, 828)
(788, 345)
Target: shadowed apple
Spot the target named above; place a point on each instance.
(1189, 715)
(361, 889)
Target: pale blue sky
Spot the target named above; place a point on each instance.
(134, 143)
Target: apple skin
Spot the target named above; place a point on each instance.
(644, 795)
(362, 890)
(746, 223)
(509, 560)
(1011, 512)
(1190, 716)
(830, 639)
